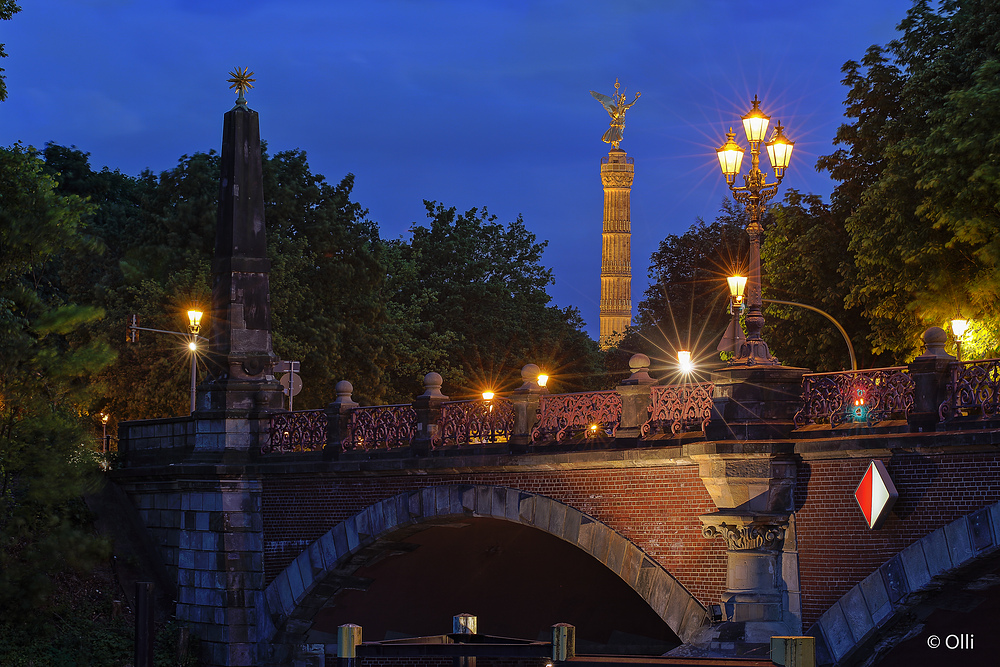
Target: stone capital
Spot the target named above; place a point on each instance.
(746, 532)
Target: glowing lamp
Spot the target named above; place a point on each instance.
(104, 418)
(194, 321)
(730, 156)
(542, 379)
(736, 286)
(958, 328)
(487, 395)
(779, 151)
(193, 346)
(755, 122)
(684, 361)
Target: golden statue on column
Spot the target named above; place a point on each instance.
(617, 172)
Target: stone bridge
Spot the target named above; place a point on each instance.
(716, 532)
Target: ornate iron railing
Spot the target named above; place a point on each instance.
(585, 413)
(678, 407)
(381, 427)
(868, 396)
(301, 431)
(474, 422)
(973, 391)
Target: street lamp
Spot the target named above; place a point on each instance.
(754, 195)
(684, 361)
(194, 328)
(104, 424)
(958, 327)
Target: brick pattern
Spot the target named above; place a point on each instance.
(655, 508)
(836, 548)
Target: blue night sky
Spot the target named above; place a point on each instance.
(467, 103)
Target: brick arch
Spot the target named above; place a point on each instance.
(888, 593)
(294, 596)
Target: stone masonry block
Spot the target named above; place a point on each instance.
(836, 631)
(915, 566)
(876, 597)
(540, 517)
(328, 547)
(295, 583)
(498, 505)
(413, 505)
(484, 501)
(631, 560)
(644, 578)
(363, 522)
(317, 559)
(599, 544)
(305, 568)
(235, 502)
(995, 521)
(979, 528)
(511, 505)
(571, 525)
(185, 558)
(402, 504)
(353, 541)
(586, 535)
(284, 591)
(895, 580)
(468, 494)
(936, 553)
(855, 609)
(525, 507)
(339, 534)
(455, 500)
(959, 543)
(694, 618)
(659, 592)
(677, 606)
(442, 500)
(428, 502)
(379, 523)
(557, 518)
(616, 553)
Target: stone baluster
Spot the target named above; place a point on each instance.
(338, 413)
(635, 392)
(428, 408)
(931, 373)
(525, 400)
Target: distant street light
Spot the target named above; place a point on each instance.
(192, 337)
(684, 361)
(958, 327)
(488, 395)
(754, 195)
(104, 423)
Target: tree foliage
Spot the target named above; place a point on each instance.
(7, 10)
(46, 385)
(919, 173)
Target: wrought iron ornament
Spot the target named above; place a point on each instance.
(300, 431)
(616, 108)
(974, 390)
(241, 80)
(869, 396)
(566, 415)
(678, 407)
(474, 422)
(381, 427)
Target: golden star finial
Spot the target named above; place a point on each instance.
(241, 80)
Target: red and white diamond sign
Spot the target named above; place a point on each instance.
(876, 494)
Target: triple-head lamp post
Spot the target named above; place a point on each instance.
(754, 195)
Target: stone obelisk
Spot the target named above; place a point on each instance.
(241, 382)
(617, 172)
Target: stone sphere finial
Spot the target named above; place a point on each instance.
(529, 373)
(432, 386)
(935, 338)
(638, 362)
(344, 389)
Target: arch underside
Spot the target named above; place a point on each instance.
(946, 581)
(331, 564)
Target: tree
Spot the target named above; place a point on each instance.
(477, 288)
(7, 10)
(685, 306)
(806, 259)
(45, 386)
(920, 174)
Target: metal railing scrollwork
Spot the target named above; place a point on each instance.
(301, 431)
(474, 422)
(868, 396)
(973, 390)
(381, 427)
(677, 407)
(570, 415)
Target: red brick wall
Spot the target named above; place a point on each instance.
(836, 548)
(656, 508)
